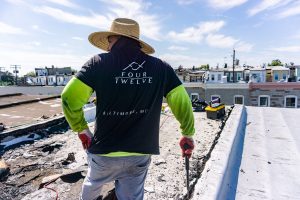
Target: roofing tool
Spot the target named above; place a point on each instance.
(187, 168)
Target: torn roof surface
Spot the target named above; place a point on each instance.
(48, 157)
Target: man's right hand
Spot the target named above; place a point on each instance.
(86, 138)
(187, 146)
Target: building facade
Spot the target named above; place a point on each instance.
(249, 94)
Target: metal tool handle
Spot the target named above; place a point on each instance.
(187, 169)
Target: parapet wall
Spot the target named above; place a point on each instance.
(32, 90)
(219, 177)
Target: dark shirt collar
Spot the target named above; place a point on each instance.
(126, 44)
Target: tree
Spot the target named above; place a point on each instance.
(276, 62)
(180, 68)
(31, 74)
(7, 78)
(204, 67)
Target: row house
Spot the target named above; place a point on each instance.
(279, 74)
(294, 73)
(187, 75)
(269, 94)
(51, 76)
(215, 76)
(242, 75)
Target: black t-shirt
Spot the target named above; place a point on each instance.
(129, 91)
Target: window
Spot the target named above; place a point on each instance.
(239, 76)
(284, 76)
(194, 96)
(276, 77)
(212, 77)
(238, 99)
(219, 77)
(264, 101)
(213, 97)
(290, 101)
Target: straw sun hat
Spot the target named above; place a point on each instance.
(120, 26)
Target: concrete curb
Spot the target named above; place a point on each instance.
(219, 177)
(21, 130)
(28, 101)
(10, 95)
(89, 115)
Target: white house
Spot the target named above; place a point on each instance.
(297, 72)
(51, 80)
(60, 79)
(215, 76)
(257, 75)
(51, 76)
(41, 72)
(40, 80)
(280, 74)
(67, 78)
(238, 74)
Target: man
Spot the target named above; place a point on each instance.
(129, 86)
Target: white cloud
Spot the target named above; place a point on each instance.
(36, 43)
(296, 36)
(196, 34)
(225, 4)
(243, 47)
(64, 44)
(292, 11)
(8, 29)
(185, 2)
(177, 48)
(37, 28)
(291, 49)
(149, 23)
(17, 2)
(97, 21)
(220, 41)
(177, 59)
(31, 59)
(66, 3)
(268, 5)
(77, 38)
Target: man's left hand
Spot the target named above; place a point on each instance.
(86, 138)
(187, 146)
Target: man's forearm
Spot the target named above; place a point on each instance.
(74, 96)
(181, 106)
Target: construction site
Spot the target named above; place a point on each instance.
(42, 158)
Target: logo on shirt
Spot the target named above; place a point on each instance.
(133, 74)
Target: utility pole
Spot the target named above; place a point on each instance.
(16, 71)
(233, 62)
(1, 73)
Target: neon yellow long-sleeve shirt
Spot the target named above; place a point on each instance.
(76, 94)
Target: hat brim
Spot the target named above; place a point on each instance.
(100, 40)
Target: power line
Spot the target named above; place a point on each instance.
(16, 71)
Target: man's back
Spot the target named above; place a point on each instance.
(129, 86)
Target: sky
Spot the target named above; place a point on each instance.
(39, 33)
